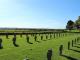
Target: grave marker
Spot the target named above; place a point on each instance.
(1, 43)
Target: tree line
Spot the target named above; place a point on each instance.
(73, 25)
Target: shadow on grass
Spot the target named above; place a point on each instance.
(16, 45)
(49, 38)
(7, 38)
(76, 46)
(1, 47)
(68, 57)
(29, 42)
(38, 41)
(75, 50)
(44, 40)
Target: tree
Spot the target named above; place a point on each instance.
(70, 25)
(77, 23)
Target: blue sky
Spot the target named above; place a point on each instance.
(38, 13)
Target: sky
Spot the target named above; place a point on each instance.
(52, 14)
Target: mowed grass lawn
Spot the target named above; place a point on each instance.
(38, 51)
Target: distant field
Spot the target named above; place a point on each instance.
(20, 30)
(38, 50)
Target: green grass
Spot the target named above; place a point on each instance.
(37, 51)
(75, 30)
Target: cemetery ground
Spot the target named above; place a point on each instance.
(38, 50)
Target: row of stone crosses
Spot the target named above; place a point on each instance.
(48, 36)
(61, 48)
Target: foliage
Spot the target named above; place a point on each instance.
(73, 25)
(70, 25)
(77, 23)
